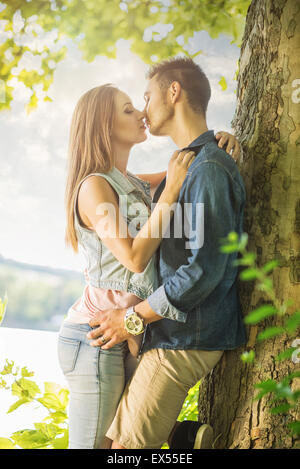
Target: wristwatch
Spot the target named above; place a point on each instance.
(133, 323)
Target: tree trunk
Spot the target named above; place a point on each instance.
(267, 122)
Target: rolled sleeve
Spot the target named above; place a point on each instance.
(160, 303)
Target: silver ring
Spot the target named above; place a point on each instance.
(103, 339)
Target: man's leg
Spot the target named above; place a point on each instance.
(154, 397)
(115, 444)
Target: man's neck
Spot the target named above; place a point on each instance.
(185, 129)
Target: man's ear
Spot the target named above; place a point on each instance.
(175, 91)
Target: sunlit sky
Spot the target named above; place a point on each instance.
(33, 148)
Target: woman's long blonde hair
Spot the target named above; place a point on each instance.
(90, 148)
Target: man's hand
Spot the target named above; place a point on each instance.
(111, 330)
(232, 144)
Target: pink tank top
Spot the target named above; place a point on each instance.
(94, 299)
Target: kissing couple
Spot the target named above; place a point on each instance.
(159, 308)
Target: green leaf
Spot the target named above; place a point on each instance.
(283, 391)
(30, 439)
(270, 266)
(248, 357)
(248, 259)
(232, 237)
(3, 305)
(51, 401)
(295, 427)
(293, 322)
(260, 313)
(270, 332)
(17, 404)
(30, 386)
(6, 443)
(286, 354)
(266, 285)
(8, 368)
(250, 274)
(189, 410)
(57, 417)
(291, 376)
(25, 388)
(3, 383)
(281, 409)
(25, 373)
(229, 248)
(32, 104)
(266, 387)
(52, 388)
(223, 83)
(61, 443)
(49, 430)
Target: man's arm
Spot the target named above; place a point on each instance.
(154, 178)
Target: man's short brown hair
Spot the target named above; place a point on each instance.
(190, 76)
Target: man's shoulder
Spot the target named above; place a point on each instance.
(212, 155)
(214, 160)
(213, 168)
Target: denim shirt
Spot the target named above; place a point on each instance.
(198, 297)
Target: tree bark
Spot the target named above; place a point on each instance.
(267, 122)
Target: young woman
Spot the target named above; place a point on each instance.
(109, 217)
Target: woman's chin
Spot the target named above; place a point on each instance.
(143, 138)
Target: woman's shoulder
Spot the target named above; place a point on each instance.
(96, 186)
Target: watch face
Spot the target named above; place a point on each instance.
(134, 325)
(131, 325)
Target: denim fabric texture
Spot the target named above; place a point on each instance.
(103, 269)
(96, 379)
(198, 297)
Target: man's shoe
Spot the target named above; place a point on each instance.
(192, 435)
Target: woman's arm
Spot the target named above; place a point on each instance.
(98, 202)
(233, 146)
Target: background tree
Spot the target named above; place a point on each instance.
(266, 121)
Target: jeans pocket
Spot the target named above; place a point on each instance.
(67, 353)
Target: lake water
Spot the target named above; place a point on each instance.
(37, 350)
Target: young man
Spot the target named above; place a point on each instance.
(195, 314)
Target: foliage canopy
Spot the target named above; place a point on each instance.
(36, 30)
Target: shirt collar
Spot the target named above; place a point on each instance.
(204, 138)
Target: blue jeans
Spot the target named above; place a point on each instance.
(96, 380)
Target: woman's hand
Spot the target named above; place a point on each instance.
(177, 169)
(225, 138)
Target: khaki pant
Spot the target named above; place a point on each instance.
(154, 396)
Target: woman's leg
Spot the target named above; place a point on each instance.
(96, 380)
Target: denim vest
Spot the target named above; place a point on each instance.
(104, 270)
